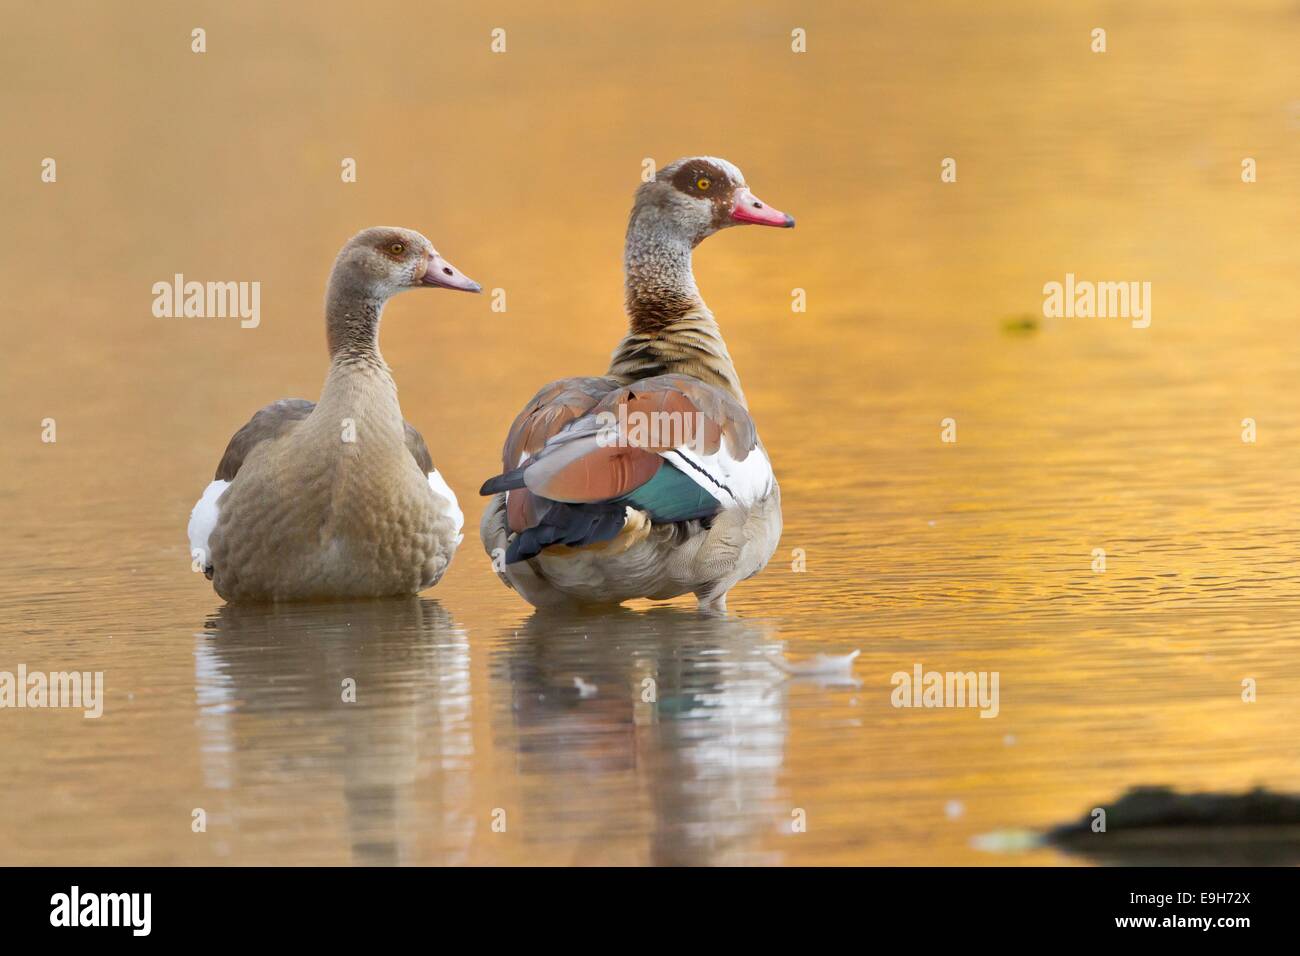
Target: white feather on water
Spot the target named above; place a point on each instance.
(817, 665)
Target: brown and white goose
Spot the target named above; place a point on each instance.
(337, 498)
(649, 481)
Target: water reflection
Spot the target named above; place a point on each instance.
(668, 725)
(279, 740)
(655, 736)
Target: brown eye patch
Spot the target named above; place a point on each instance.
(702, 180)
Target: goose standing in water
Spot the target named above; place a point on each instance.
(338, 498)
(649, 481)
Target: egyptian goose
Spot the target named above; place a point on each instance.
(649, 481)
(337, 498)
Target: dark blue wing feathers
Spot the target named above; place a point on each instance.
(667, 497)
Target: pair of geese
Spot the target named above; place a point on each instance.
(596, 503)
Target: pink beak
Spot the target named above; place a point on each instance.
(442, 273)
(749, 208)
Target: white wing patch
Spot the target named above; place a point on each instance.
(732, 482)
(440, 488)
(204, 517)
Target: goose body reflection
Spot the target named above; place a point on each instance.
(684, 731)
(353, 713)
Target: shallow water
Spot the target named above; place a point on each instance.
(977, 555)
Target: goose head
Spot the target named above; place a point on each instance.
(699, 195)
(379, 262)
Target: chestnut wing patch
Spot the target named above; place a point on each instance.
(574, 486)
(669, 411)
(549, 411)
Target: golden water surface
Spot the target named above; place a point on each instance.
(1077, 435)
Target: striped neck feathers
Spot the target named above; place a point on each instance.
(670, 329)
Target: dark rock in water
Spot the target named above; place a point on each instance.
(1155, 826)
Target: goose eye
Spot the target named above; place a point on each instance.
(703, 183)
(397, 248)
